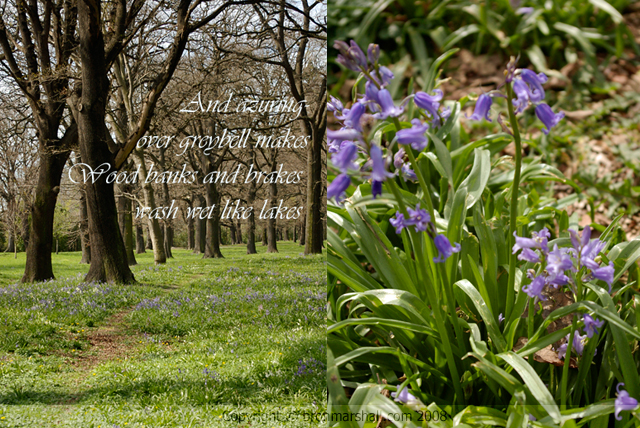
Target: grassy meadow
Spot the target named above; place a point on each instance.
(234, 342)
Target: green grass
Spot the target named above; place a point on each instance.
(208, 343)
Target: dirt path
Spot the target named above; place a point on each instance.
(111, 341)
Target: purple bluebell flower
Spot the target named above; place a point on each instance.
(445, 249)
(378, 170)
(524, 10)
(591, 326)
(389, 109)
(373, 53)
(343, 135)
(535, 83)
(403, 396)
(500, 318)
(529, 255)
(605, 274)
(408, 173)
(376, 188)
(624, 401)
(334, 104)
(371, 97)
(353, 115)
(419, 218)
(398, 158)
(558, 261)
(343, 160)
(522, 93)
(539, 241)
(577, 348)
(383, 76)
(590, 252)
(398, 222)
(338, 187)
(430, 103)
(534, 289)
(482, 109)
(414, 135)
(548, 117)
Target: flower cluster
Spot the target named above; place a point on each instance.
(624, 402)
(527, 86)
(561, 261)
(350, 142)
(420, 219)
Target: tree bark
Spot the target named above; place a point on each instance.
(38, 266)
(149, 243)
(314, 226)
(108, 255)
(125, 219)
(139, 240)
(303, 230)
(272, 246)
(84, 229)
(10, 244)
(232, 232)
(264, 237)
(251, 229)
(155, 230)
(212, 243)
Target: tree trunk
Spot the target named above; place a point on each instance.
(149, 243)
(108, 255)
(272, 247)
(10, 244)
(139, 240)
(212, 243)
(232, 230)
(155, 230)
(168, 239)
(303, 230)
(38, 266)
(264, 236)
(191, 242)
(314, 226)
(125, 219)
(239, 232)
(84, 229)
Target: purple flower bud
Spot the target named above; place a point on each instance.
(358, 56)
(334, 104)
(376, 188)
(373, 53)
(534, 80)
(338, 187)
(500, 318)
(547, 117)
(343, 135)
(403, 396)
(414, 135)
(445, 249)
(343, 160)
(398, 222)
(591, 326)
(624, 402)
(482, 109)
(389, 109)
(534, 289)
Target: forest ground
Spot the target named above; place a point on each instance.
(232, 342)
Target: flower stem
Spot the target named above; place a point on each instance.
(514, 201)
(567, 363)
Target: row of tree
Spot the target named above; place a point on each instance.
(88, 79)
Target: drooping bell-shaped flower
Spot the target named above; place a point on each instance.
(398, 222)
(482, 109)
(535, 83)
(548, 117)
(416, 135)
(522, 93)
(624, 402)
(352, 116)
(445, 249)
(404, 396)
(338, 187)
(534, 289)
(430, 103)
(343, 134)
(343, 160)
(389, 109)
(591, 326)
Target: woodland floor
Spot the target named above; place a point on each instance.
(196, 343)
